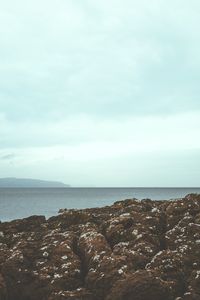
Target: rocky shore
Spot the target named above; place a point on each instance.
(132, 250)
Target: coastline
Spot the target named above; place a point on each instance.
(145, 248)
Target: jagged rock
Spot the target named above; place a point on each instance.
(141, 250)
(33, 223)
(169, 265)
(142, 285)
(176, 210)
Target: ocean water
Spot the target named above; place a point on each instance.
(23, 202)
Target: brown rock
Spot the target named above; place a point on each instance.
(142, 285)
(3, 288)
(144, 249)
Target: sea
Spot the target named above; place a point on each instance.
(16, 203)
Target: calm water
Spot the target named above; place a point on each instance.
(19, 203)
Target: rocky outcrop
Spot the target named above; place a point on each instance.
(134, 249)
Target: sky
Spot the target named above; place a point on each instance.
(100, 93)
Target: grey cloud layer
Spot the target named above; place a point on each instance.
(111, 87)
(64, 57)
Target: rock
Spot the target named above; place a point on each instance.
(146, 249)
(176, 210)
(169, 266)
(33, 223)
(142, 285)
(78, 294)
(3, 288)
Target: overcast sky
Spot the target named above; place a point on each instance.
(100, 93)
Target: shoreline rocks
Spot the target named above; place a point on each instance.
(133, 249)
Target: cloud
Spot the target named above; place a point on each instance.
(108, 167)
(169, 131)
(60, 58)
(102, 86)
(9, 156)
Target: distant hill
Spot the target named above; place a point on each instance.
(12, 182)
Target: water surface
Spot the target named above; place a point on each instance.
(22, 202)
